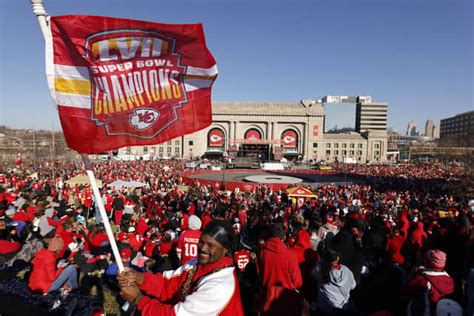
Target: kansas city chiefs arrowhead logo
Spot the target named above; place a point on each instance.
(215, 138)
(288, 139)
(142, 119)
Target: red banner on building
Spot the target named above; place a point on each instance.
(216, 138)
(253, 134)
(315, 130)
(289, 139)
(119, 82)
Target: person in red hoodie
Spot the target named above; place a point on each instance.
(46, 276)
(394, 247)
(97, 240)
(307, 259)
(281, 276)
(429, 284)
(67, 236)
(403, 224)
(242, 215)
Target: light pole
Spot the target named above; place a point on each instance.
(34, 144)
(225, 155)
(52, 156)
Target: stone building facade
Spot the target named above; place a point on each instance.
(270, 131)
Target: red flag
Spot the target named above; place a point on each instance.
(119, 82)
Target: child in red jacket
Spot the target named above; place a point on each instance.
(429, 284)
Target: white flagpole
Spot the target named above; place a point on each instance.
(42, 15)
(103, 214)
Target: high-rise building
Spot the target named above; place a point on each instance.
(436, 131)
(411, 129)
(429, 128)
(458, 130)
(371, 116)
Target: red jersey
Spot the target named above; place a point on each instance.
(188, 245)
(242, 257)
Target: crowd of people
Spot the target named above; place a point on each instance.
(399, 243)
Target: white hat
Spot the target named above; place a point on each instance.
(194, 222)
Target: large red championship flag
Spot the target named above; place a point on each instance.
(119, 82)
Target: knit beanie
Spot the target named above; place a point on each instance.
(436, 259)
(194, 222)
(222, 232)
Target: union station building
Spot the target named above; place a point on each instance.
(271, 131)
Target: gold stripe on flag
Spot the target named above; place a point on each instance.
(81, 87)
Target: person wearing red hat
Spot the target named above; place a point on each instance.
(429, 284)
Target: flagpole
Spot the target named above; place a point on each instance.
(103, 214)
(41, 15)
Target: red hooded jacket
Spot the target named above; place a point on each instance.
(307, 258)
(44, 271)
(280, 277)
(441, 284)
(394, 246)
(418, 235)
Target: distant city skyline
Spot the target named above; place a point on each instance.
(397, 51)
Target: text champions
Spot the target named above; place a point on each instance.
(130, 72)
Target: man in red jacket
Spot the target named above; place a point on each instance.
(207, 285)
(281, 276)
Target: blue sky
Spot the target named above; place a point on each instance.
(417, 55)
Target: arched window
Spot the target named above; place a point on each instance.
(253, 134)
